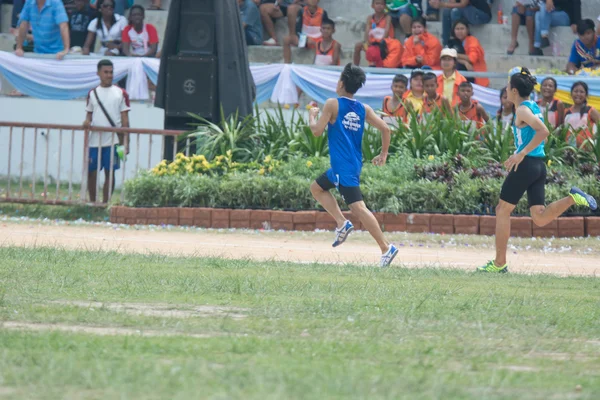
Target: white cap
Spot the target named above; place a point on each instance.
(447, 52)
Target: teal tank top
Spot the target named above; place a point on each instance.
(524, 135)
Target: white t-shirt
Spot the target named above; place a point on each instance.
(115, 101)
(106, 35)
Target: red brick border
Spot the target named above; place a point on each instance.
(310, 220)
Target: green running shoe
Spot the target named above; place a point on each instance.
(583, 199)
(491, 267)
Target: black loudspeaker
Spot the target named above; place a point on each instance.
(197, 27)
(192, 87)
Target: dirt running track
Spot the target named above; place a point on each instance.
(284, 247)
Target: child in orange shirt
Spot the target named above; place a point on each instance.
(393, 105)
(470, 110)
(379, 26)
(328, 51)
(432, 99)
(312, 17)
(422, 48)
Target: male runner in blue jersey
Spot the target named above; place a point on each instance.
(527, 171)
(345, 119)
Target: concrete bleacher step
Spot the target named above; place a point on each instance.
(496, 62)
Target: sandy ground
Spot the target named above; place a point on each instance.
(283, 247)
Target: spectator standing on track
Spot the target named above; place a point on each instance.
(139, 39)
(107, 106)
(49, 24)
(476, 12)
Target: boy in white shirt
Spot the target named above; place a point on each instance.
(107, 106)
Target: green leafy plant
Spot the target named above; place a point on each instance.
(234, 134)
(498, 142)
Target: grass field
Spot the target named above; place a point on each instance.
(179, 328)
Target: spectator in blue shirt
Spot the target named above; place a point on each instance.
(586, 50)
(49, 24)
(251, 21)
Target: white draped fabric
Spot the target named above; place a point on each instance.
(74, 77)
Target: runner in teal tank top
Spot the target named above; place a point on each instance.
(527, 171)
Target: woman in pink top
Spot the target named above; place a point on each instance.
(581, 118)
(552, 108)
(139, 39)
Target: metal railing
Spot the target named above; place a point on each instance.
(69, 147)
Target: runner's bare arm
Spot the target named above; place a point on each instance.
(329, 111)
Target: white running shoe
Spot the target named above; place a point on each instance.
(270, 42)
(388, 257)
(341, 234)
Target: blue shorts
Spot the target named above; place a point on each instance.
(105, 161)
(529, 12)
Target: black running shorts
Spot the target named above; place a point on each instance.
(349, 194)
(530, 177)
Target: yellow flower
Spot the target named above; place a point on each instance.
(163, 163)
(261, 171)
(309, 164)
(268, 159)
(271, 168)
(189, 168)
(205, 164)
(229, 153)
(201, 157)
(549, 162)
(431, 158)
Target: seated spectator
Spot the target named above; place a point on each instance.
(506, 113)
(251, 22)
(422, 49)
(552, 108)
(405, 11)
(522, 15)
(385, 54)
(139, 39)
(432, 99)
(581, 118)
(470, 110)
(49, 24)
(473, 58)
(328, 51)
(413, 98)
(554, 13)
(271, 10)
(120, 5)
(109, 27)
(16, 12)
(450, 79)
(475, 12)
(585, 52)
(393, 105)
(79, 20)
(312, 17)
(378, 27)
(157, 5)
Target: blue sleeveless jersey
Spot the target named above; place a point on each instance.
(345, 143)
(524, 135)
